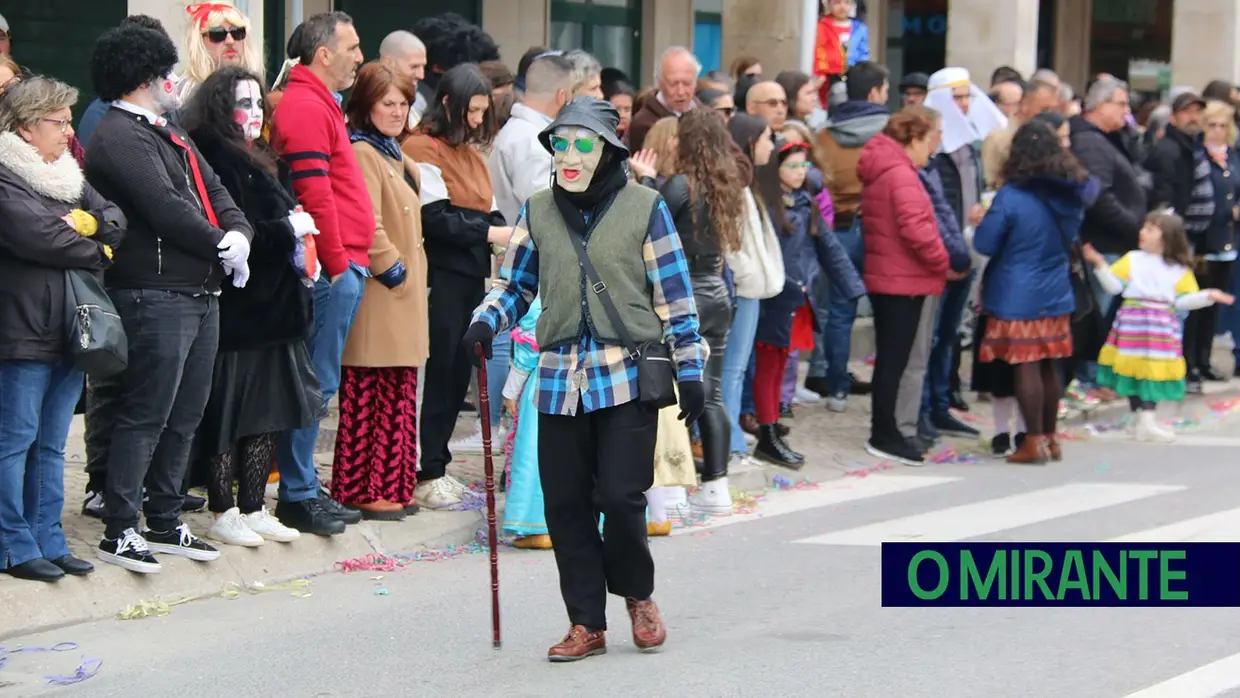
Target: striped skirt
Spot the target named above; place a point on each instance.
(1143, 356)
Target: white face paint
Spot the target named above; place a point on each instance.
(574, 169)
(164, 92)
(248, 109)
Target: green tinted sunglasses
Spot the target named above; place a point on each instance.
(585, 146)
(796, 165)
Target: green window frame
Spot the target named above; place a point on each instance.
(589, 15)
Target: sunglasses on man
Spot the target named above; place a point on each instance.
(220, 35)
(585, 146)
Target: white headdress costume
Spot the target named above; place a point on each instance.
(960, 129)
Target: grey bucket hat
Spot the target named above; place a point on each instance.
(592, 113)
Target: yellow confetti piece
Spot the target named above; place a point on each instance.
(154, 608)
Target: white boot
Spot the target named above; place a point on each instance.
(713, 498)
(674, 502)
(1148, 429)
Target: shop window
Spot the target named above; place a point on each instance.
(1131, 39)
(608, 29)
(708, 33)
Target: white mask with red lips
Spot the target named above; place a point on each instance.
(164, 92)
(248, 109)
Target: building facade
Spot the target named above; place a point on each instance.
(1154, 43)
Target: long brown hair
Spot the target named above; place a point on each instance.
(704, 158)
(1175, 238)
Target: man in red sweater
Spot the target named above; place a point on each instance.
(308, 131)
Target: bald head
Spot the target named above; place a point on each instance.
(677, 78)
(404, 54)
(768, 101)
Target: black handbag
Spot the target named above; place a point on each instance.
(1078, 276)
(656, 377)
(96, 337)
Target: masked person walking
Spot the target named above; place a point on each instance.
(603, 256)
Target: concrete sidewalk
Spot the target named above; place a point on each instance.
(833, 443)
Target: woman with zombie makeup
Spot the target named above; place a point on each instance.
(218, 35)
(460, 224)
(264, 382)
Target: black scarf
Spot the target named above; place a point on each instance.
(384, 144)
(608, 179)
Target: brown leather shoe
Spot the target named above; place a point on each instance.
(649, 633)
(578, 644)
(1053, 448)
(1032, 452)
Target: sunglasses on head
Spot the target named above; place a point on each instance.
(220, 35)
(585, 146)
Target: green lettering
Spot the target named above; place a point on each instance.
(1037, 577)
(1143, 576)
(970, 576)
(1167, 575)
(1014, 582)
(1072, 576)
(944, 575)
(1102, 568)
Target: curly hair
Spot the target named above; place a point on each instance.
(704, 158)
(126, 58)
(452, 40)
(208, 116)
(1037, 152)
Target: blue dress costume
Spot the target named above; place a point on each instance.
(523, 508)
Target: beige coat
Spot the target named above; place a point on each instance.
(391, 325)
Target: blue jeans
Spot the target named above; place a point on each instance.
(821, 296)
(936, 398)
(841, 313)
(36, 409)
(735, 360)
(747, 406)
(1087, 371)
(335, 307)
(497, 374)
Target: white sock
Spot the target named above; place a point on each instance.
(1003, 408)
(656, 506)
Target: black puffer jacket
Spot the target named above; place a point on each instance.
(37, 246)
(1114, 221)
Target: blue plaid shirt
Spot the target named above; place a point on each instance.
(596, 375)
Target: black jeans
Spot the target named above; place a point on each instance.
(600, 462)
(715, 317)
(895, 330)
(1200, 326)
(159, 400)
(100, 421)
(448, 370)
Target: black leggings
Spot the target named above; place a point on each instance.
(256, 454)
(715, 317)
(1200, 326)
(1038, 390)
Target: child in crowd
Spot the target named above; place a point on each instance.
(1142, 359)
(523, 508)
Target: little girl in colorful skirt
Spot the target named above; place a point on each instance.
(523, 506)
(1142, 359)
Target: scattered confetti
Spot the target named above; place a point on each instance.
(154, 608)
(381, 592)
(951, 455)
(85, 670)
(298, 588)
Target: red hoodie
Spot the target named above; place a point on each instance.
(308, 131)
(904, 252)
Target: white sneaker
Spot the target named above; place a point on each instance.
(805, 396)
(1148, 429)
(838, 403)
(269, 527)
(456, 485)
(230, 528)
(436, 494)
(675, 502)
(713, 498)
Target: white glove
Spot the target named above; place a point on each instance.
(234, 248)
(302, 224)
(240, 275)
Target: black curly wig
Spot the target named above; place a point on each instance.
(128, 57)
(452, 40)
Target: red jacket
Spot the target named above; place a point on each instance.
(904, 252)
(308, 131)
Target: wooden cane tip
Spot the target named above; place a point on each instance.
(497, 645)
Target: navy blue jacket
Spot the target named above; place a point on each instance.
(949, 227)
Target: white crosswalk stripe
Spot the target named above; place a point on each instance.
(1222, 527)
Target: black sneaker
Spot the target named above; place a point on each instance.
(1192, 385)
(900, 451)
(817, 385)
(947, 423)
(1001, 445)
(129, 551)
(921, 443)
(337, 510)
(93, 505)
(179, 541)
(858, 387)
(308, 517)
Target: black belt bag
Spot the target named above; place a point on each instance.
(656, 376)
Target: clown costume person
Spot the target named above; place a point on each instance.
(217, 35)
(597, 400)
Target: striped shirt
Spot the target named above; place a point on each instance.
(591, 374)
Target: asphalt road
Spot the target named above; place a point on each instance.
(781, 602)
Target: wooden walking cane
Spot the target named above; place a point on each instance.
(484, 414)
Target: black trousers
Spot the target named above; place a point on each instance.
(1201, 324)
(895, 329)
(452, 302)
(101, 408)
(595, 463)
(715, 317)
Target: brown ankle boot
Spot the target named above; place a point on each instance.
(1032, 452)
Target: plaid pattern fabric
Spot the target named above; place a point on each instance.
(590, 373)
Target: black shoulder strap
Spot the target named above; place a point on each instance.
(600, 290)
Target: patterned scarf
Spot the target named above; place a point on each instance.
(384, 144)
(1200, 211)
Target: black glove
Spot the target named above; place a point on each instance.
(479, 334)
(692, 401)
(393, 277)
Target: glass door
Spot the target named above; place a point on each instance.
(609, 29)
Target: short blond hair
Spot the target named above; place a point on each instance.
(1216, 109)
(28, 102)
(198, 63)
(659, 139)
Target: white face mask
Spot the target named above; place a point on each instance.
(574, 169)
(248, 109)
(164, 92)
